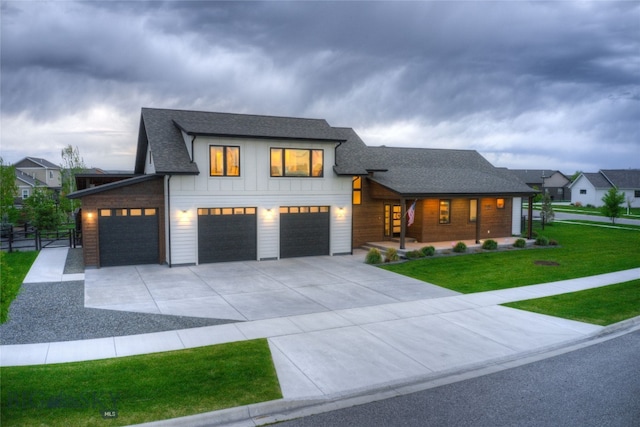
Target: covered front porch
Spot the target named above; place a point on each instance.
(441, 247)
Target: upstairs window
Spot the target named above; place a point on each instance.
(224, 160)
(583, 191)
(295, 162)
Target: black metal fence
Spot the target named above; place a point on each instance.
(27, 238)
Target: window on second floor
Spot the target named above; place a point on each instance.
(224, 160)
(25, 193)
(583, 191)
(296, 162)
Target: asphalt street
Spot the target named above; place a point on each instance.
(594, 386)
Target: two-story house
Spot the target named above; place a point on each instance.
(32, 172)
(551, 182)
(217, 187)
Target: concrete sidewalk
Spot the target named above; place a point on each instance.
(331, 355)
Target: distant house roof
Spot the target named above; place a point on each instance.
(534, 176)
(619, 178)
(161, 129)
(28, 179)
(30, 162)
(623, 178)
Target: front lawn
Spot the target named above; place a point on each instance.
(139, 388)
(584, 251)
(601, 306)
(14, 266)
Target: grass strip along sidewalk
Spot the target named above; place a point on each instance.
(583, 251)
(14, 267)
(600, 306)
(137, 389)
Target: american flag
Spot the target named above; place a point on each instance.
(411, 213)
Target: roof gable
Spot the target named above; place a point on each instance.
(34, 162)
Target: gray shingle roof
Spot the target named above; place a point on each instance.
(29, 162)
(623, 178)
(29, 180)
(597, 180)
(350, 153)
(424, 171)
(161, 130)
(533, 176)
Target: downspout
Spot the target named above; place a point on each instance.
(192, 145)
(169, 219)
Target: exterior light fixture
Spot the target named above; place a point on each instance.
(500, 203)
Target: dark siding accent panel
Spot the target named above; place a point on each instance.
(128, 240)
(304, 234)
(224, 238)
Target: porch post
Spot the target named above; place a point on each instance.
(530, 215)
(403, 222)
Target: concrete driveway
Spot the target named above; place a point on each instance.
(253, 290)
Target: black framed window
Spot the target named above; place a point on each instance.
(445, 212)
(224, 160)
(357, 190)
(297, 162)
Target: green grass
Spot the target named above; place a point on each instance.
(14, 266)
(584, 210)
(141, 388)
(584, 251)
(601, 306)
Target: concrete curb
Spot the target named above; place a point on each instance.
(265, 413)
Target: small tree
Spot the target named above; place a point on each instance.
(8, 190)
(547, 213)
(72, 164)
(612, 201)
(41, 210)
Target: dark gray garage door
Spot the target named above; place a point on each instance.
(128, 236)
(227, 234)
(304, 231)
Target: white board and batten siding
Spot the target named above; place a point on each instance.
(256, 188)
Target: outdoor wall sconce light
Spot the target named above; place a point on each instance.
(268, 213)
(500, 203)
(341, 212)
(90, 215)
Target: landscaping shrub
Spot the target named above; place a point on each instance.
(391, 255)
(578, 205)
(553, 242)
(373, 256)
(520, 243)
(542, 241)
(460, 247)
(414, 254)
(428, 251)
(490, 244)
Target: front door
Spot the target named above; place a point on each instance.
(392, 220)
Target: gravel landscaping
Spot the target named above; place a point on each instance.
(47, 312)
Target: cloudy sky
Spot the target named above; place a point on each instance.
(552, 85)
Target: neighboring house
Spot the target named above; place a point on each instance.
(25, 184)
(555, 183)
(590, 188)
(42, 170)
(216, 187)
